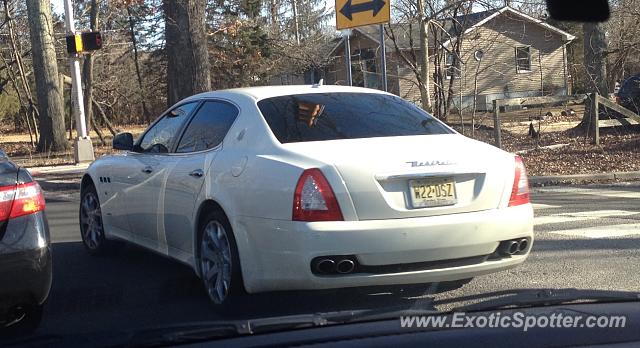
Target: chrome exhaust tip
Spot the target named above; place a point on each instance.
(523, 244)
(325, 266)
(345, 266)
(509, 247)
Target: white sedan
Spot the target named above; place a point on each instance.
(310, 187)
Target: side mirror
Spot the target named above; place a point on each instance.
(123, 141)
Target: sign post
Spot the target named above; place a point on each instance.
(357, 13)
(82, 146)
(347, 55)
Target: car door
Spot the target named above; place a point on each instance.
(194, 155)
(141, 179)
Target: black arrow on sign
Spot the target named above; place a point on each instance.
(348, 9)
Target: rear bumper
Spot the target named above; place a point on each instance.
(276, 255)
(25, 262)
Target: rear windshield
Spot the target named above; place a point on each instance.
(332, 116)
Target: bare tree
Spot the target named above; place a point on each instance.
(186, 49)
(45, 68)
(425, 82)
(28, 106)
(595, 46)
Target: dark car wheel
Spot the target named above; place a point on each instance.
(91, 226)
(218, 261)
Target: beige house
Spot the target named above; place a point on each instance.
(504, 53)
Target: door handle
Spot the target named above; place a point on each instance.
(198, 173)
(147, 170)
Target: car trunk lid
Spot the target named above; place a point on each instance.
(415, 176)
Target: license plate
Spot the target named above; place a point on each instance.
(432, 192)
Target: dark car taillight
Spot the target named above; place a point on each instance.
(21, 199)
(314, 199)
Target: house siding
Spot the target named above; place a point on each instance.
(496, 73)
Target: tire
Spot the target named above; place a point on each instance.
(32, 315)
(217, 250)
(91, 226)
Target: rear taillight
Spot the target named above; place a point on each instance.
(314, 199)
(19, 200)
(520, 190)
(6, 201)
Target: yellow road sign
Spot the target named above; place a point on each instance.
(356, 13)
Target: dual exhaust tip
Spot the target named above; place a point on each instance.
(514, 246)
(333, 265)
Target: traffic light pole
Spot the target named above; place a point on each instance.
(82, 146)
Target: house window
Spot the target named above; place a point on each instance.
(364, 68)
(452, 66)
(523, 59)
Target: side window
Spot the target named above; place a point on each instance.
(158, 138)
(452, 66)
(523, 59)
(208, 127)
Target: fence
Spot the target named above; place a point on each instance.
(621, 115)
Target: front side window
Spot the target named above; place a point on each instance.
(208, 127)
(523, 59)
(160, 136)
(332, 116)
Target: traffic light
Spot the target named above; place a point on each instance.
(84, 42)
(91, 41)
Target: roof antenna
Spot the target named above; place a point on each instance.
(320, 83)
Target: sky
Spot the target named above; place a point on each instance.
(57, 6)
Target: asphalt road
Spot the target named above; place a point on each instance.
(586, 237)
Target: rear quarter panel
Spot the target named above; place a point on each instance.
(253, 176)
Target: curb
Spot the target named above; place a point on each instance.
(557, 179)
(74, 169)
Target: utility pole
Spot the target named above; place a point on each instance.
(82, 146)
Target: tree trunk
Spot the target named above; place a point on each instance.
(595, 46)
(274, 10)
(188, 70)
(424, 84)
(296, 28)
(136, 61)
(87, 70)
(32, 111)
(45, 69)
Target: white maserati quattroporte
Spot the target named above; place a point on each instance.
(310, 187)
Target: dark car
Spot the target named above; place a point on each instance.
(25, 252)
(629, 94)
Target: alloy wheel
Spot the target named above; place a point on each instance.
(215, 261)
(91, 221)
